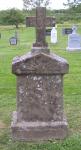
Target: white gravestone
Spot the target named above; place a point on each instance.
(53, 35)
(74, 41)
(13, 41)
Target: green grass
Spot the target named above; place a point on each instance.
(72, 90)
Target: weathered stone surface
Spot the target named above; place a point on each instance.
(40, 98)
(38, 131)
(39, 113)
(39, 63)
(40, 49)
(31, 21)
(40, 27)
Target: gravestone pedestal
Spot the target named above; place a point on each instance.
(39, 114)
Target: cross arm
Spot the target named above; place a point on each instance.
(31, 21)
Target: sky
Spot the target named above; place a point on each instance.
(8, 4)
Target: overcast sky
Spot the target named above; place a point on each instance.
(8, 4)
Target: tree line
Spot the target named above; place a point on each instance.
(16, 17)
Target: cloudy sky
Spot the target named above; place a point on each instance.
(7, 4)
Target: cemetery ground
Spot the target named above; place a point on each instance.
(72, 89)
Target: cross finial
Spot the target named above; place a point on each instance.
(40, 22)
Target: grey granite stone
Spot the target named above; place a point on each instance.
(38, 131)
(39, 114)
(39, 63)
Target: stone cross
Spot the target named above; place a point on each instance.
(40, 22)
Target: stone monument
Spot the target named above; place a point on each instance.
(54, 35)
(66, 31)
(39, 114)
(13, 41)
(74, 40)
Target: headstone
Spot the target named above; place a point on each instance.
(74, 41)
(53, 35)
(66, 31)
(40, 114)
(48, 32)
(13, 41)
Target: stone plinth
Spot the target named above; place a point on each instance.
(39, 114)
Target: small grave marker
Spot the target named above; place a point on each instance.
(13, 41)
(48, 32)
(53, 35)
(66, 31)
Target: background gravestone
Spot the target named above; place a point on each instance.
(13, 41)
(74, 40)
(66, 31)
(54, 35)
(48, 32)
(39, 114)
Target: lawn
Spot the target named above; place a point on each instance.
(72, 89)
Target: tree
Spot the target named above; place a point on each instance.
(72, 3)
(13, 17)
(29, 4)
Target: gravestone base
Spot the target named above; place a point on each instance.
(38, 130)
(40, 50)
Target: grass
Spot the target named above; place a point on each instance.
(72, 90)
